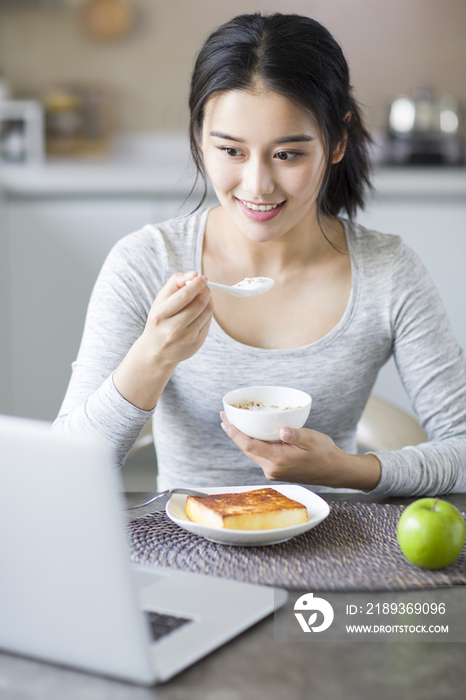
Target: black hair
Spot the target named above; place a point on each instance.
(298, 58)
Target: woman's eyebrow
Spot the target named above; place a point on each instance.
(227, 137)
(295, 138)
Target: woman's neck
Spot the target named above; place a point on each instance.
(309, 246)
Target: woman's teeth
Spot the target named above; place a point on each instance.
(260, 207)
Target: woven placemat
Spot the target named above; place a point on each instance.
(354, 548)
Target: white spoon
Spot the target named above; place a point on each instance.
(249, 287)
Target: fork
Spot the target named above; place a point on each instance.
(168, 492)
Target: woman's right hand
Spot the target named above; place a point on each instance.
(176, 327)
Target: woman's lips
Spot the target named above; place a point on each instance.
(257, 215)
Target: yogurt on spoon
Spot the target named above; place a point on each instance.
(249, 287)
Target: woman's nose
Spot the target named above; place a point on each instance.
(257, 178)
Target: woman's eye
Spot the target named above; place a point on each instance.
(230, 151)
(286, 155)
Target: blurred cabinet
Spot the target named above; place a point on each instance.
(53, 249)
(434, 225)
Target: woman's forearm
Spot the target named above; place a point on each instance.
(140, 379)
(361, 472)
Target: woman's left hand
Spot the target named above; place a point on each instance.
(307, 457)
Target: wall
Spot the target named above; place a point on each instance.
(390, 46)
(5, 310)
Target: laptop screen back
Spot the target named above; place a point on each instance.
(66, 592)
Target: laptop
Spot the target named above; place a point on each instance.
(69, 594)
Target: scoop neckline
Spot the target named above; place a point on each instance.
(217, 332)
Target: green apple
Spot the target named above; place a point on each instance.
(431, 533)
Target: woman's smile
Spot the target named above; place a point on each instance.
(260, 212)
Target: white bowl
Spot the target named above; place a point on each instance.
(265, 421)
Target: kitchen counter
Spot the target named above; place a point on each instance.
(417, 181)
(59, 179)
(159, 164)
(132, 178)
(138, 164)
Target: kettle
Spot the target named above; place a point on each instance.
(424, 129)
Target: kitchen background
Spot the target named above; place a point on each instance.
(390, 46)
(107, 81)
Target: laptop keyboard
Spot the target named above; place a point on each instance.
(161, 624)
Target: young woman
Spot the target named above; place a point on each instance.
(274, 126)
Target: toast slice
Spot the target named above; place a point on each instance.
(260, 509)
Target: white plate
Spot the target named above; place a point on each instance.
(317, 510)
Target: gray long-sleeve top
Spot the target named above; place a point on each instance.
(393, 308)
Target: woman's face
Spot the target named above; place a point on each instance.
(265, 157)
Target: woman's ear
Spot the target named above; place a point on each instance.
(340, 149)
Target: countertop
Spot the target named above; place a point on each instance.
(58, 179)
(154, 165)
(255, 665)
